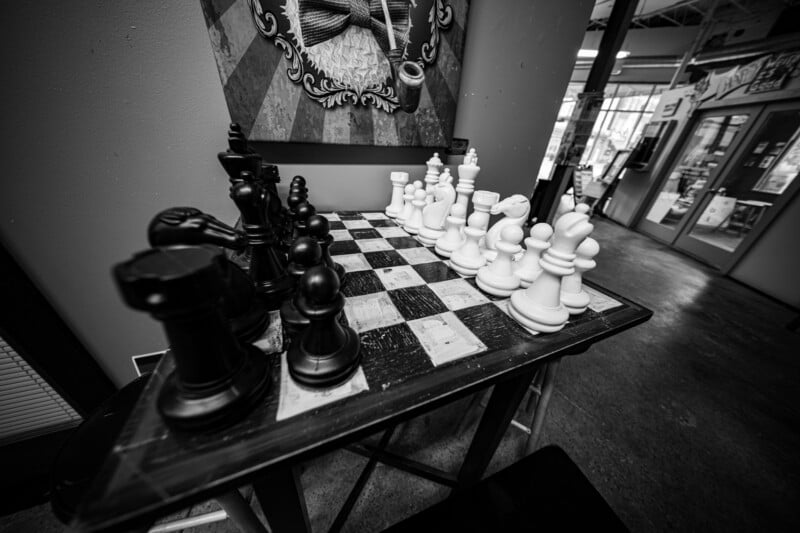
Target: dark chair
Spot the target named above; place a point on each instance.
(546, 491)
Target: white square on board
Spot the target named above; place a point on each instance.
(373, 245)
(341, 235)
(374, 216)
(295, 399)
(357, 224)
(392, 231)
(353, 262)
(399, 277)
(599, 302)
(417, 256)
(371, 311)
(503, 305)
(445, 338)
(331, 216)
(458, 294)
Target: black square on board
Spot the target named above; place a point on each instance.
(417, 302)
(344, 247)
(365, 234)
(336, 224)
(492, 326)
(382, 223)
(403, 242)
(436, 271)
(362, 282)
(349, 215)
(388, 258)
(392, 355)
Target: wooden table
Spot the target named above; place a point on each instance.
(153, 471)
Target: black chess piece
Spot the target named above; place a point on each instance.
(303, 212)
(216, 379)
(304, 254)
(319, 228)
(239, 157)
(267, 264)
(247, 315)
(269, 178)
(327, 352)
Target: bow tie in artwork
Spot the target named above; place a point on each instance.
(383, 72)
(321, 20)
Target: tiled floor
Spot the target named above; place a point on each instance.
(688, 422)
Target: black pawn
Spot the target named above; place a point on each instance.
(267, 264)
(216, 379)
(304, 212)
(319, 228)
(304, 254)
(325, 353)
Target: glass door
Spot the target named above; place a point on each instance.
(715, 136)
(727, 219)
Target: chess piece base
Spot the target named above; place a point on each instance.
(576, 303)
(428, 236)
(249, 326)
(342, 273)
(495, 285)
(220, 403)
(535, 317)
(291, 320)
(446, 249)
(327, 370)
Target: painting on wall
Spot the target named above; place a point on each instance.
(319, 71)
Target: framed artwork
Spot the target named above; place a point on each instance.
(318, 71)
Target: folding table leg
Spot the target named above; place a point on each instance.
(541, 406)
(280, 495)
(240, 512)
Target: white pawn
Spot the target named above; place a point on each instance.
(399, 179)
(408, 207)
(538, 308)
(453, 236)
(573, 295)
(498, 278)
(414, 222)
(528, 268)
(467, 259)
(434, 165)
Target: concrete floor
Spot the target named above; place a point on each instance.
(688, 422)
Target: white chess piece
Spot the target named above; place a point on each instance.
(573, 295)
(482, 202)
(434, 165)
(528, 268)
(414, 222)
(565, 204)
(453, 236)
(516, 209)
(399, 179)
(539, 308)
(467, 258)
(445, 176)
(433, 215)
(408, 207)
(582, 208)
(467, 173)
(499, 278)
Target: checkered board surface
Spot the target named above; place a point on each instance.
(400, 295)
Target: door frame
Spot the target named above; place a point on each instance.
(715, 256)
(660, 232)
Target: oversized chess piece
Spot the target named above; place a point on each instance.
(583, 208)
(408, 206)
(414, 222)
(516, 209)
(482, 203)
(453, 236)
(399, 180)
(528, 268)
(467, 258)
(539, 308)
(433, 215)
(467, 173)
(325, 353)
(216, 380)
(434, 168)
(267, 265)
(304, 254)
(239, 157)
(499, 278)
(269, 178)
(247, 316)
(573, 295)
(445, 177)
(304, 212)
(319, 228)
(565, 204)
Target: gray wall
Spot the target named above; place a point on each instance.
(114, 110)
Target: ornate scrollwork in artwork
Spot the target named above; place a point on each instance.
(440, 18)
(265, 21)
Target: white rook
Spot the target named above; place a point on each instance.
(399, 179)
